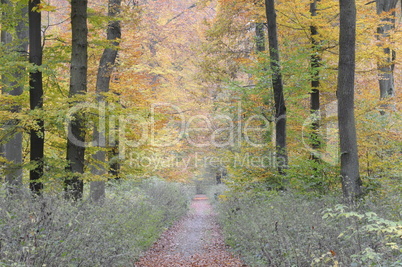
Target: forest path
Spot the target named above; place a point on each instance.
(195, 240)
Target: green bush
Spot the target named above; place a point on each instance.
(214, 192)
(50, 231)
(283, 229)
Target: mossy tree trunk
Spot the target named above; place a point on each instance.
(315, 63)
(277, 84)
(12, 148)
(386, 64)
(78, 86)
(345, 93)
(36, 95)
(107, 62)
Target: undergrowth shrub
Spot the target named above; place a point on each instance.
(215, 191)
(174, 199)
(50, 231)
(284, 229)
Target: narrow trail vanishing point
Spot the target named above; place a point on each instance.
(195, 240)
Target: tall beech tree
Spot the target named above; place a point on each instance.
(78, 86)
(386, 64)
(36, 94)
(13, 147)
(345, 93)
(315, 62)
(106, 64)
(259, 37)
(277, 84)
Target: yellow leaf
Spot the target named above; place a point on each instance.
(44, 7)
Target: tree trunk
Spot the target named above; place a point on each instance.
(386, 64)
(345, 92)
(106, 64)
(260, 37)
(78, 85)
(114, 34)
(280, 108)
(315, 63)
(12, 149)
(36, 96)
(114, 156)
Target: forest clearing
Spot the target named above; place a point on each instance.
(201, 133)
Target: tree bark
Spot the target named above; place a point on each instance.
(315, 63)
(386, 64)
(12, 149)
(106, 64)
(277, 84)
(78, 85)
(36, 95)
(345, 93)
(259, 37)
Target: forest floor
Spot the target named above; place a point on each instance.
(196, 240)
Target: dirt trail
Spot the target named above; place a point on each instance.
(196, 240)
